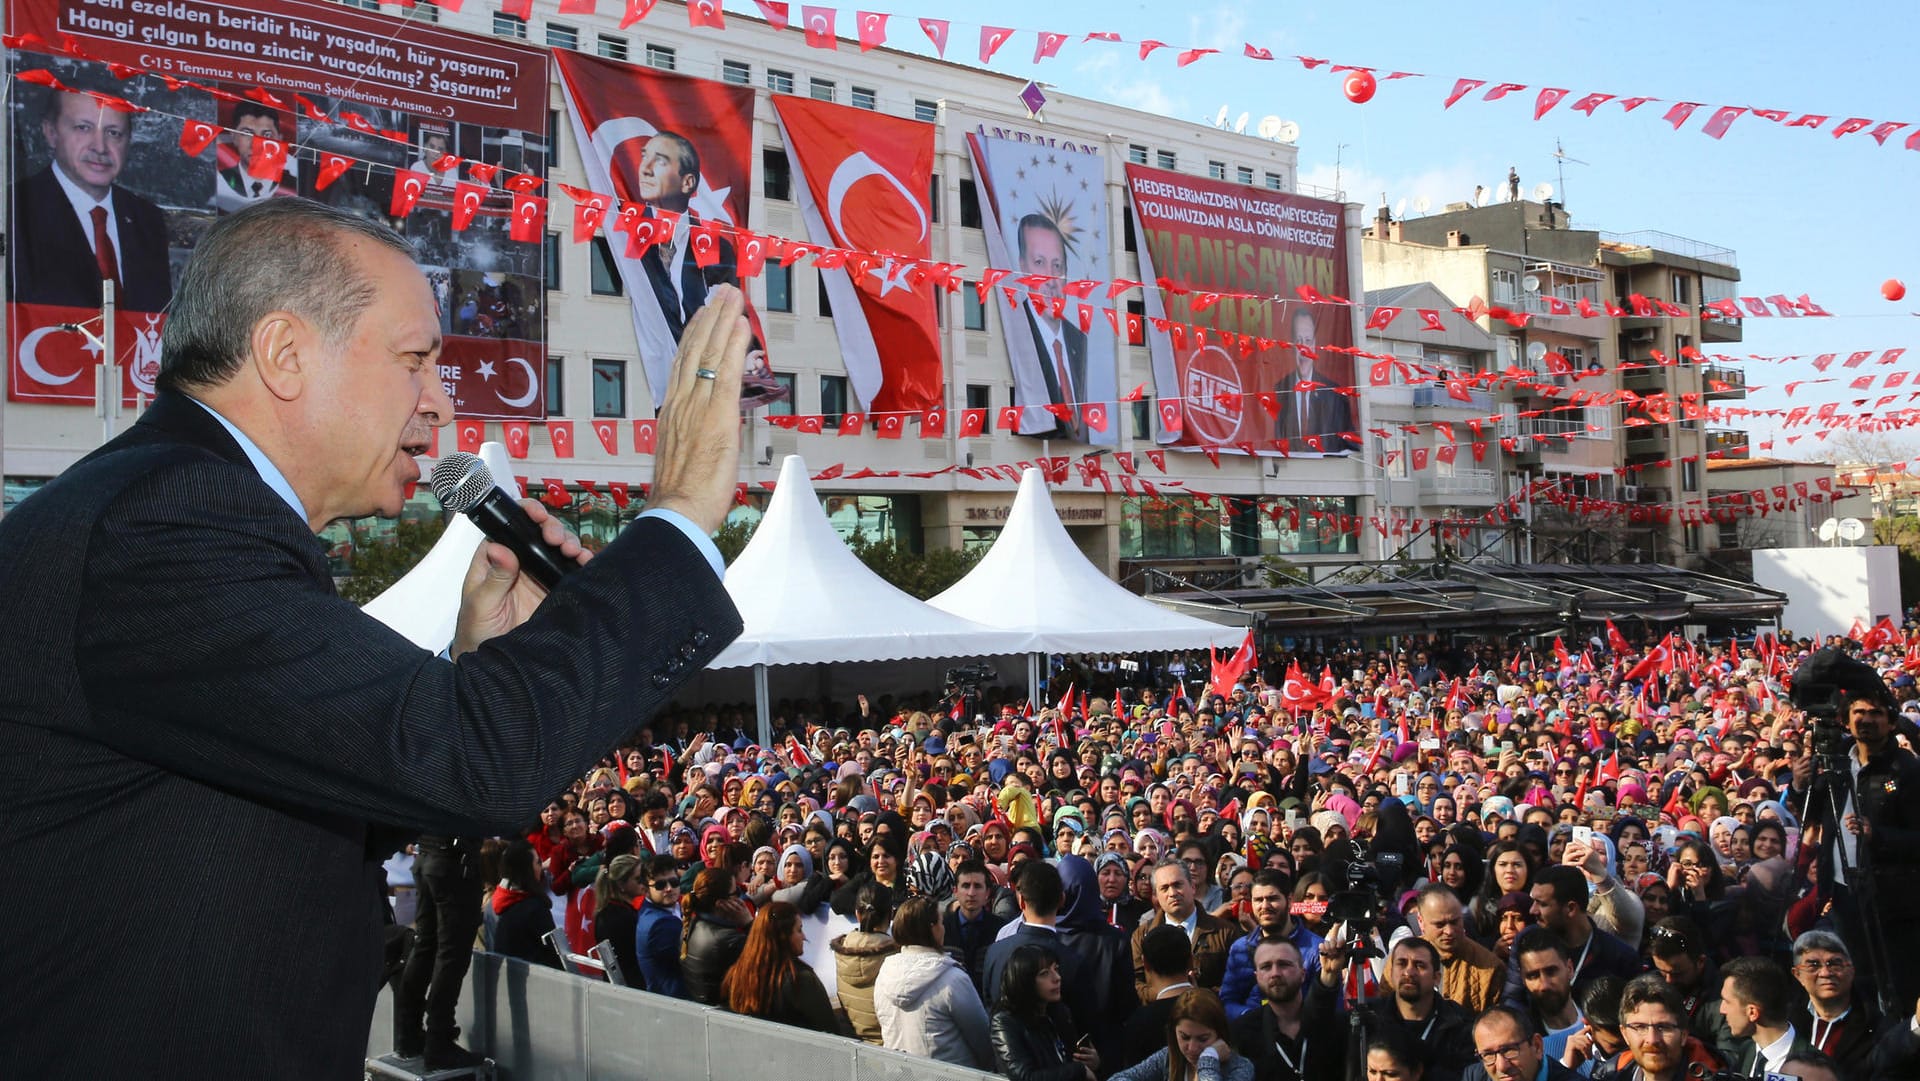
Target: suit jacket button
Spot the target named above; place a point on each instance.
(700, 638)
(660, 680)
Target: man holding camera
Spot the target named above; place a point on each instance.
(1874, 827)
(1410, 1002)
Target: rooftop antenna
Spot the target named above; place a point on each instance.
(1560, 162)
(1339, 192)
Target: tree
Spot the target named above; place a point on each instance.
(378, 562)
(732, 539)
(919, 574)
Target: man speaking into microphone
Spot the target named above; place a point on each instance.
(202, 747)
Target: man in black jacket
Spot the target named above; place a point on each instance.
(971, 924)
(1275, 1037)
(1038, 886)
(1560, 905)
(1410, 1002)
(263, 737)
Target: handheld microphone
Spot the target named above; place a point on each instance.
(465, 485)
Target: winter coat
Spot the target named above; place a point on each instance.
(857, 956)
(656, 945)
(712, 948)
(1034, 1049)
(1237, 1068)
(927, 1006)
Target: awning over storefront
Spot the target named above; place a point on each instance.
(1515, 598)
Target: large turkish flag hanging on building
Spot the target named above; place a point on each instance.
(864, 184)
(618, 111)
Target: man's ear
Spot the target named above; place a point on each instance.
(277, 351)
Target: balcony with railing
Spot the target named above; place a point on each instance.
(1462, 486)
(1727, 442)
(1558, 432)
(1643, 377)
(1653, 240)
(1648, 441)
(1719, 382)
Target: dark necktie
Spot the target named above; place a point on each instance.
(103, 247)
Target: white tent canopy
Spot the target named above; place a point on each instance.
(1035, 581)
(423, 604)
(807, 599)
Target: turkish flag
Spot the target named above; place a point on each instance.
(529, 218)
(864, 182)
(873, 30)
(1094, 414)
(466, 200)
(615, 110)
(933, 423)
(609, 435)
(853, 423)
(408, 184)
(936, 31)
(818, 23)
(991, 38)
(618, 490)
(774, 11)
(1159, 459)
(589, 210)
(973, 422)
(332, 167)
(560, 432)
(1381, 317)
(890, 425)
(268, 160)
(1048, 45)
(196, 136)
(644, 432)
(1170, 417)
(1616, 641)
(517, 438)
(556, 494)
(1009, 419)
(812, 424)
(706, 13)
(469, 435)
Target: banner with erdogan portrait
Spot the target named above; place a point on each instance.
(1045, 210)
(677, 153)
(288, 98)
(1258, 378)
(865, 181)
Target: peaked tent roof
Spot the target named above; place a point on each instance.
(807, 599)
(1035, 580)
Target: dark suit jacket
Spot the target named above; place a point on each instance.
(202, 742)
(52, 260)
(1076, 349)
(1328, 413)
(1076, 992)
(695, 280)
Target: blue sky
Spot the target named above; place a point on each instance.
(1805, 212)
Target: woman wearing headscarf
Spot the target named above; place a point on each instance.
(800, 886)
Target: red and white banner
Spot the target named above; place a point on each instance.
(52, 364)
(496, 378)
(680, 149)
(864, 182)
(1219, 357)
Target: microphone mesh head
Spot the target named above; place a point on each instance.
(461, 481)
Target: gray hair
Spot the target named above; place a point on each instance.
(1819, 940)
(1175, 862)
(276, 255)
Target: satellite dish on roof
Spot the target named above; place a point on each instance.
(1481, 195)
(1828, 529)
(1220, 120)
(1289, 131)
(1851, 529)
(1400, 208)
(1542, 192)
(1530, 283)
(1422, 204)
(1269, 127)
(1536, 350)
(1240, 124)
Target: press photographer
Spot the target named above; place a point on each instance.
(1863, 796)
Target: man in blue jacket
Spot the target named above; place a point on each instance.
(657, 930)
(1273, 915)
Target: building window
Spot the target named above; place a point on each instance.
(552, 146)
(509, 26)
(550, 261)
(780, 82)
(19, 488)
(1128, 242)
(976, 310)
(661, 56)
(1275, 181)
(779, 286)
(1166, 160)
(363, 5)
(825, 302)
(1217, 170)
(609, 388)
(927, 112)
(421, 13)
(969, 205)
(783, 407)
(562, 36)
(821, 89)
(833, 397)
(1136, 153)
(776, 175)
(979, 396)
(933, 197)
(1689, 475)
(1142, 411)
(555, 388)
(865, 98)
(606, 274)
(1692, 535)
(613, 47)
(737, 72)
(1682, 289)
(1506, 286)
(1138, 310)
(1243, 174)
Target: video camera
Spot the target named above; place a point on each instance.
(1821, 683)
(1362, 905)
(968, 678)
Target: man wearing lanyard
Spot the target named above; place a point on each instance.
(1560, 905)
(1240, 988)
(1275, 1036)
(1546, 969)
(1411, 1002)
(1834, 1019)
(1510, 1050)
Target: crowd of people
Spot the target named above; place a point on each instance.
(1457, 862)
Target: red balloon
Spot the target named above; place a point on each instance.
(1893, 289)
(1360, 86)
